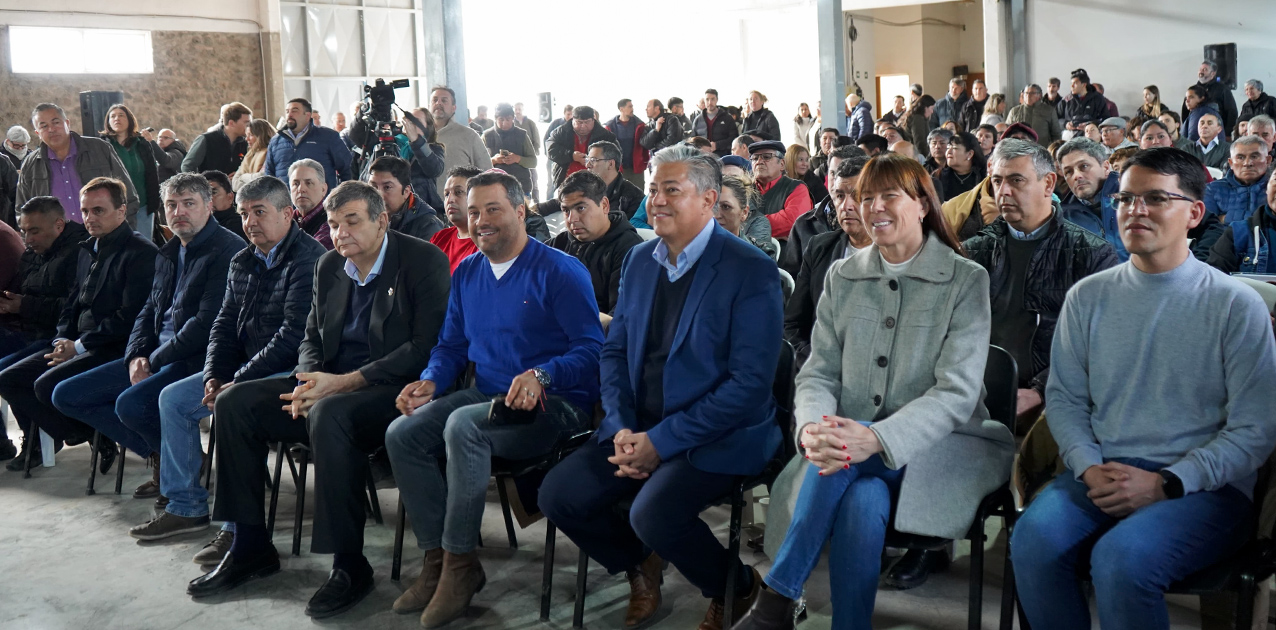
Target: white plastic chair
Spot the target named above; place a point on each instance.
(775, 244)
(646, 234)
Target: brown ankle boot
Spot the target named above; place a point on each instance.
(150, 489)
(422, 589)
(644, 591)
(714, 617)
(461, 578)
(770, 611)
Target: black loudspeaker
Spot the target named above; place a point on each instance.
(93, 107)
(1225, 56)
(546, 101)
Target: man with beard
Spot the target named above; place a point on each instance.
(301, 139)
(463, 145)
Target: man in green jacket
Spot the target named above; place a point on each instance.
(1037, 114)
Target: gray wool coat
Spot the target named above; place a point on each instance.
(933, 331)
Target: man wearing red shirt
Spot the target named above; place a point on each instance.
(455, 241)
(783, 199)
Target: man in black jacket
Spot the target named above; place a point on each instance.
(1257, 102)
(567, 146)
(222, 148)
(1217, 95)
(112, 285)
(256, 334)
(409, 214)
(1033, 256)
(168, 151)
(820, 219)
(664, 129)
(823, 250)
(604, 161)
(379, 302)
(596, 236)
(120, 399)
(715, 125)
(760, 122)
(1086, 104)
(223, 203)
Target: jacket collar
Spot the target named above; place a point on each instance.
(73, 234)
(170, 248)
(934, 263)
(110, 242)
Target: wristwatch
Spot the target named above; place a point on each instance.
(542, 377)
(1173, 485)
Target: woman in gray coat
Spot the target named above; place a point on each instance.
(889, 408)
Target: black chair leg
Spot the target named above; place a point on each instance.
(1246, 593)
(1008, 594)
(119, 470)
(582, 569)
(733, 549)
(372, 500)
(397, 564)
(212, 445)
(547, 574)
(975, 608)
(274, 493)
(301, 501)
(505, 509)
(35, 435)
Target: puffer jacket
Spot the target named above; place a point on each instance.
(1066, 254)
(262, 318)
(1233, 201)
(418, 220)
(604, 257)
(762, 124)
(861, 122)
(1103, 223)
(1091, 107)
(320, 144)
(1245, 246)
(47, 281)
(194, 299)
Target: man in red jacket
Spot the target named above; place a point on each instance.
(783, 199)
(629, 130)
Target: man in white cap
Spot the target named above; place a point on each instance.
(1112, 131)
(14, 147)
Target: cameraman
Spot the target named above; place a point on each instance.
(423, 152)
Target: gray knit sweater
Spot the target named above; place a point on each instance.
(1177, 368)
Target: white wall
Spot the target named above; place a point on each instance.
(221, 16)
(1127, 44)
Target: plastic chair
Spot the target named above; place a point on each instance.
(775, 245)
(646, 234)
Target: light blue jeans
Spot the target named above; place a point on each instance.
(181, 452)
(144, 221)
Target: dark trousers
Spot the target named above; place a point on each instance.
(27, 349)
(28, 387)
(579, 496)
(341, 431)
(105, 399)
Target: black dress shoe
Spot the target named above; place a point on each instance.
(915, 567)
(340, 593)
(231, 573)
(106, 452)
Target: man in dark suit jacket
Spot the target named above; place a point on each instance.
(379, 302)
(686, 388)
(113, 281)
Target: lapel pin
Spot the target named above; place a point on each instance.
(390, 292)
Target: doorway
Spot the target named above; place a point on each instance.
(888, 87)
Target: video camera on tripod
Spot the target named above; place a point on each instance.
(377, 114)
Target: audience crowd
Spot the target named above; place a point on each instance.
(423, 308)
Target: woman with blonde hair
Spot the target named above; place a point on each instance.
(760, 121)
(994, 110)
(259, 134)
(1151, 109)
(797, 165)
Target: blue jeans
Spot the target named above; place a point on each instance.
(105, 399)
(181, 452)
(448, 513)
(1132, 560)
(144, 220)
(852, 509)
(12, 355)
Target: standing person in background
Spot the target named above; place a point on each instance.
(677, 108)
(568, 145)
(860, 123)
(1216, 95)
(222, 147)
(1110, 108)
(1052, 97)
(760, 122)
(481, 120)
(715, 124)
(1037, 113)
(895, 115)
(918, 125)
(664, 129)
(529, 125)
(463, 146)
(16, 145)
(802, 125)
(168, 151)
(510, 146)
(558, 122)
(301, 139)
(260, 132)
(949, 107)
(629, 130)
(994, 111)
(972, 113)
(135, 153)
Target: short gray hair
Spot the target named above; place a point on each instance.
(611, 151)
(940, 133)
(1213, 66)
(354, 191)
(1083, 144)
(1250, 140)
(44, 107)
(17, 133)
(1033, 86)
(307, 163)
(1014, 148)
(265, 188)
(957, 81)
(1262, 120)
(187, 183)
(704, 170)
(1255, 83)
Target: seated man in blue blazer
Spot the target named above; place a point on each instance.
(686, 386)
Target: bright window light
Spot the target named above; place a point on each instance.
(53, 50)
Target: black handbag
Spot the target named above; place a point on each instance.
(502, 414)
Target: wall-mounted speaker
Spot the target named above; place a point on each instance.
(1225, 56)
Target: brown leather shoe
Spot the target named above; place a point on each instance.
(713, 618)
(770, 611)
(150, 489)
(418, 595)
(462, 576)
(644, 591)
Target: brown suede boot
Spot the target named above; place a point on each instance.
(150, 489)
(422, 589)
(713, 618)
(644, 591)
(461, 578)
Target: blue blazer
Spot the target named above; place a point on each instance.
(719, 411)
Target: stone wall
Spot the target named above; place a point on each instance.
(195, 73)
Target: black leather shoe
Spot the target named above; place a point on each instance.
(340, 593)
(231, 573)
(915, 567)
(106, 452)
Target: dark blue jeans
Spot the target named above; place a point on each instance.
(851, 509)
(11, 355)
(1132, 559)
(106, 400)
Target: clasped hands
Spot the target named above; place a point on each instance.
(636, 456)
(315, 386)
(835, 443)
(1119, 489)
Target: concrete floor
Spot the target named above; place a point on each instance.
(68, 563)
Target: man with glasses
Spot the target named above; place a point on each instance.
(1246, 246)
(1084, 164)
(14, 147)
(1160, 402)
(1038, 114)
(1240, 192)
(168, 150)
(1112, 131)
(783, 199)
(603, 160)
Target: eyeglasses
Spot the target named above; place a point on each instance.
(764, 157)
(1152, 199)
(593, 160)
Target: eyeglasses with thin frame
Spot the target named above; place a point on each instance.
(594, 160)
(1152, 199)
(763, 157)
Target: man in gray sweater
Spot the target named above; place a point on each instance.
(1160, 399)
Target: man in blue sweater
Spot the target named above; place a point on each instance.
(525, 314)
(299, 139)
(1160, 401)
